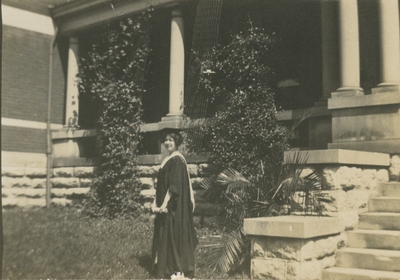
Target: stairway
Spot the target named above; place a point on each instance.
(373, 250)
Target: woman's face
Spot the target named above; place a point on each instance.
(170, 144)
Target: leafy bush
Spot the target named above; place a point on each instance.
(113, 72)
(243, 133)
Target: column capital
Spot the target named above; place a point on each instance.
(73, 40)
(176, 12)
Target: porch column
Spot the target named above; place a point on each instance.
(349, 50)
(72, 100)
(330, 50)
(177, 67)
(389, 46)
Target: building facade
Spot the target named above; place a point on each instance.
(340, 61)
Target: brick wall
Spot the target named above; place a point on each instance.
(19, 139)
(25, 76)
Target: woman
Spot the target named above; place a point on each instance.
(174, 235)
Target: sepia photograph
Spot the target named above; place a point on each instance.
(200, 139)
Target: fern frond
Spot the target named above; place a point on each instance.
(229, 176)
(225, 254)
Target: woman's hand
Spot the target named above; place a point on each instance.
(158, 210)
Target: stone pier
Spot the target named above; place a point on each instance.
(292, 247)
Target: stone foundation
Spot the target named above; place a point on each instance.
(26, 187)
(349, 179)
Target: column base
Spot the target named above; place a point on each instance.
(171, 117)
(347, 92)
(174, 122)
(384, 87)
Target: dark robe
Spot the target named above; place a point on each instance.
(174, 238)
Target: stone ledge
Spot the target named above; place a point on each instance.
(384, 98)
(317, 111)
(389, 146)
(292, 226)
(339, 156)
(70, 134)
(75, 162)
(157, 159)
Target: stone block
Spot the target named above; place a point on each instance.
(66, 172)
(382, 175)
(148, 171)
(368, 179)
(288, 248)
(16, 182)
(39, 183)
(350, 177)
(86, 182)
(13, 171)
(348, 219)
(307, 171)
(372, 177)
(23, 202)
(257, 247)
(70, 193)
(310, 270)
(65, 182)
(147, 183)
(358, 199)
(328, 201)
(324, 247)
(337, 202)
(61, 201)
(84, 171)
(394, 169)
(329, 178)
(24, 192)
(148, 194)
(193, 170)
(147, 206)
(268, 269)
(328, 262)
(35, 172)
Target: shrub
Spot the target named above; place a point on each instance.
(243, 133)
(113, 72)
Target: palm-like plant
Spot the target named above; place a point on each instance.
(240, 198)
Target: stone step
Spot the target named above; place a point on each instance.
(386, 260)
(389, 189)
(344, 273)
(384, 204)
(381, 220)
(374, 239)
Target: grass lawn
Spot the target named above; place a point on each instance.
(62, 243)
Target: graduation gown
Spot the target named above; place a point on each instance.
(174, 237)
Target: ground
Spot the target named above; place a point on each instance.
(63, 243)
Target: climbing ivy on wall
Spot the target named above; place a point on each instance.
(112, 72)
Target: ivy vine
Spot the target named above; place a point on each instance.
(112, 71)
